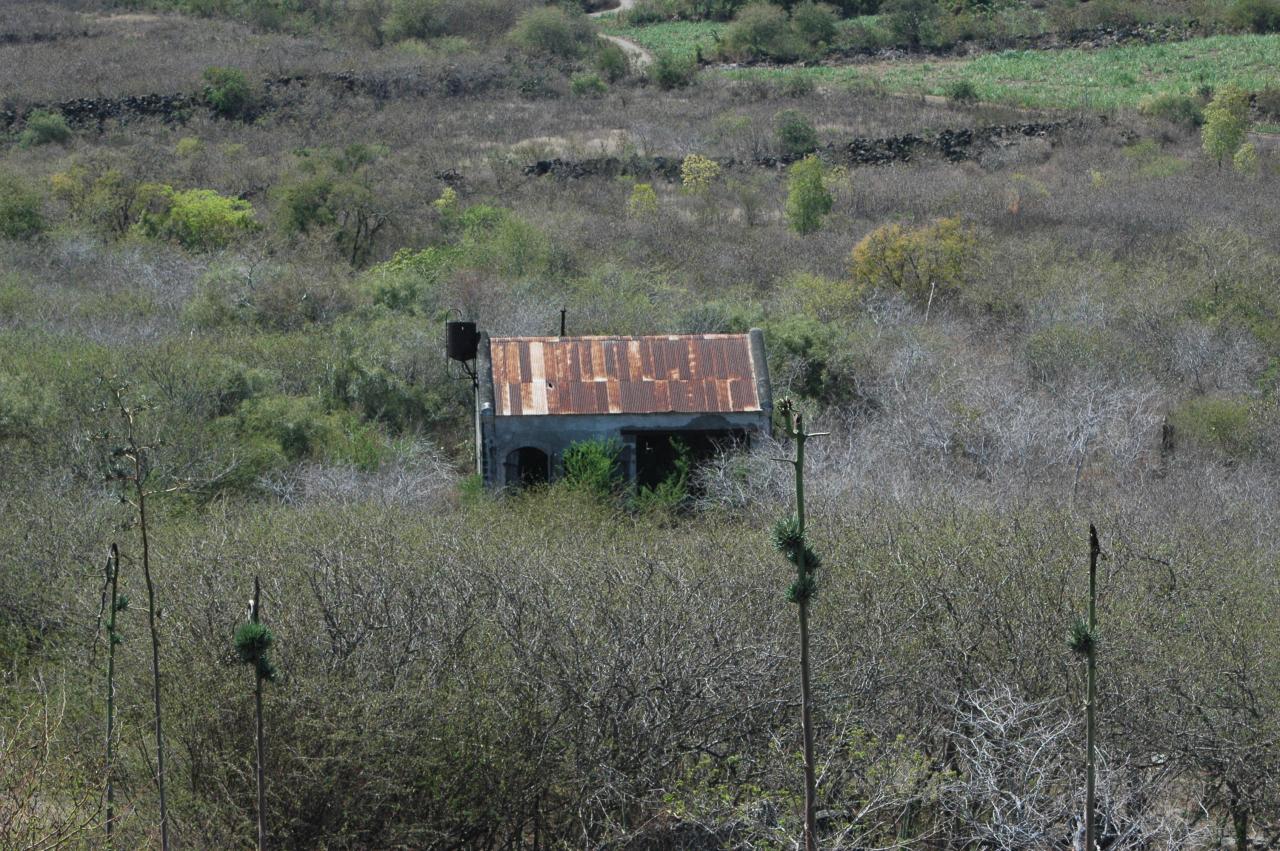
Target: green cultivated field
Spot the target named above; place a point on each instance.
(679, 37)
(1103, 79)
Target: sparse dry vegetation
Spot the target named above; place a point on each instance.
(1078, 324)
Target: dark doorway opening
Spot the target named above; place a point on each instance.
(528, 466)
(658, 451)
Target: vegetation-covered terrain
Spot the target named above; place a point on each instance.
(1025, 277)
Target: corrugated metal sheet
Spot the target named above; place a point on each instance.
(706, 373)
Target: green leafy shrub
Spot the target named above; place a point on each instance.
(299, 428)
(612, 63)
(592, 466)
(1226, 123)
(962, 91)
(1268, 101)
(1245, 160)
(643, 202)
(1058, 351)
(554, 31)
(198, 219)
(1259, 16)
(795, 134)
(408, 281)
(1223, 424)
(672, 492)
(25, 408)
(814, 22)
(913, 22)
(807, 197)
(761, 30)
(44, 128)
(798, 85)
(20, 216)
(670, 70)
(413, 19)
(587, 84)
(227, 92)
(1174, 108)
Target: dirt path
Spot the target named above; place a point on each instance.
(638, 56)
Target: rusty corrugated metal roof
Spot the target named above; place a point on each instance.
(699, 373)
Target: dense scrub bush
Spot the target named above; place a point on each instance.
(761, 29)
(913, 22)
(587, 84)
(20, 209)
(814, 22)
(1174, 108)
(25, 408)
(300, 428)
(413, 19)
(1225, 425)
(671, 70)
(1259, 16)
(99, 197)
(612, 63)
(227, 92)
(795, 134)
(334, 191)
(409, 282)
(199, 219)
(44, 128)
(921, 262)
(962, 91)
(554, 31)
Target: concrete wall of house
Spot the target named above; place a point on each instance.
(553, 434)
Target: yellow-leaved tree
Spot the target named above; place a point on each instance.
(923, 262)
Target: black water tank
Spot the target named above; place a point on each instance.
(461, 340)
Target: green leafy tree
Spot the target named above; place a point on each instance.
(807, 197)
(1226, 123)
(795, 134)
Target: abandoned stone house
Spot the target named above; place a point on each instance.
(536, 396)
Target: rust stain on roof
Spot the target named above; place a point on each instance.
(703, 373)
